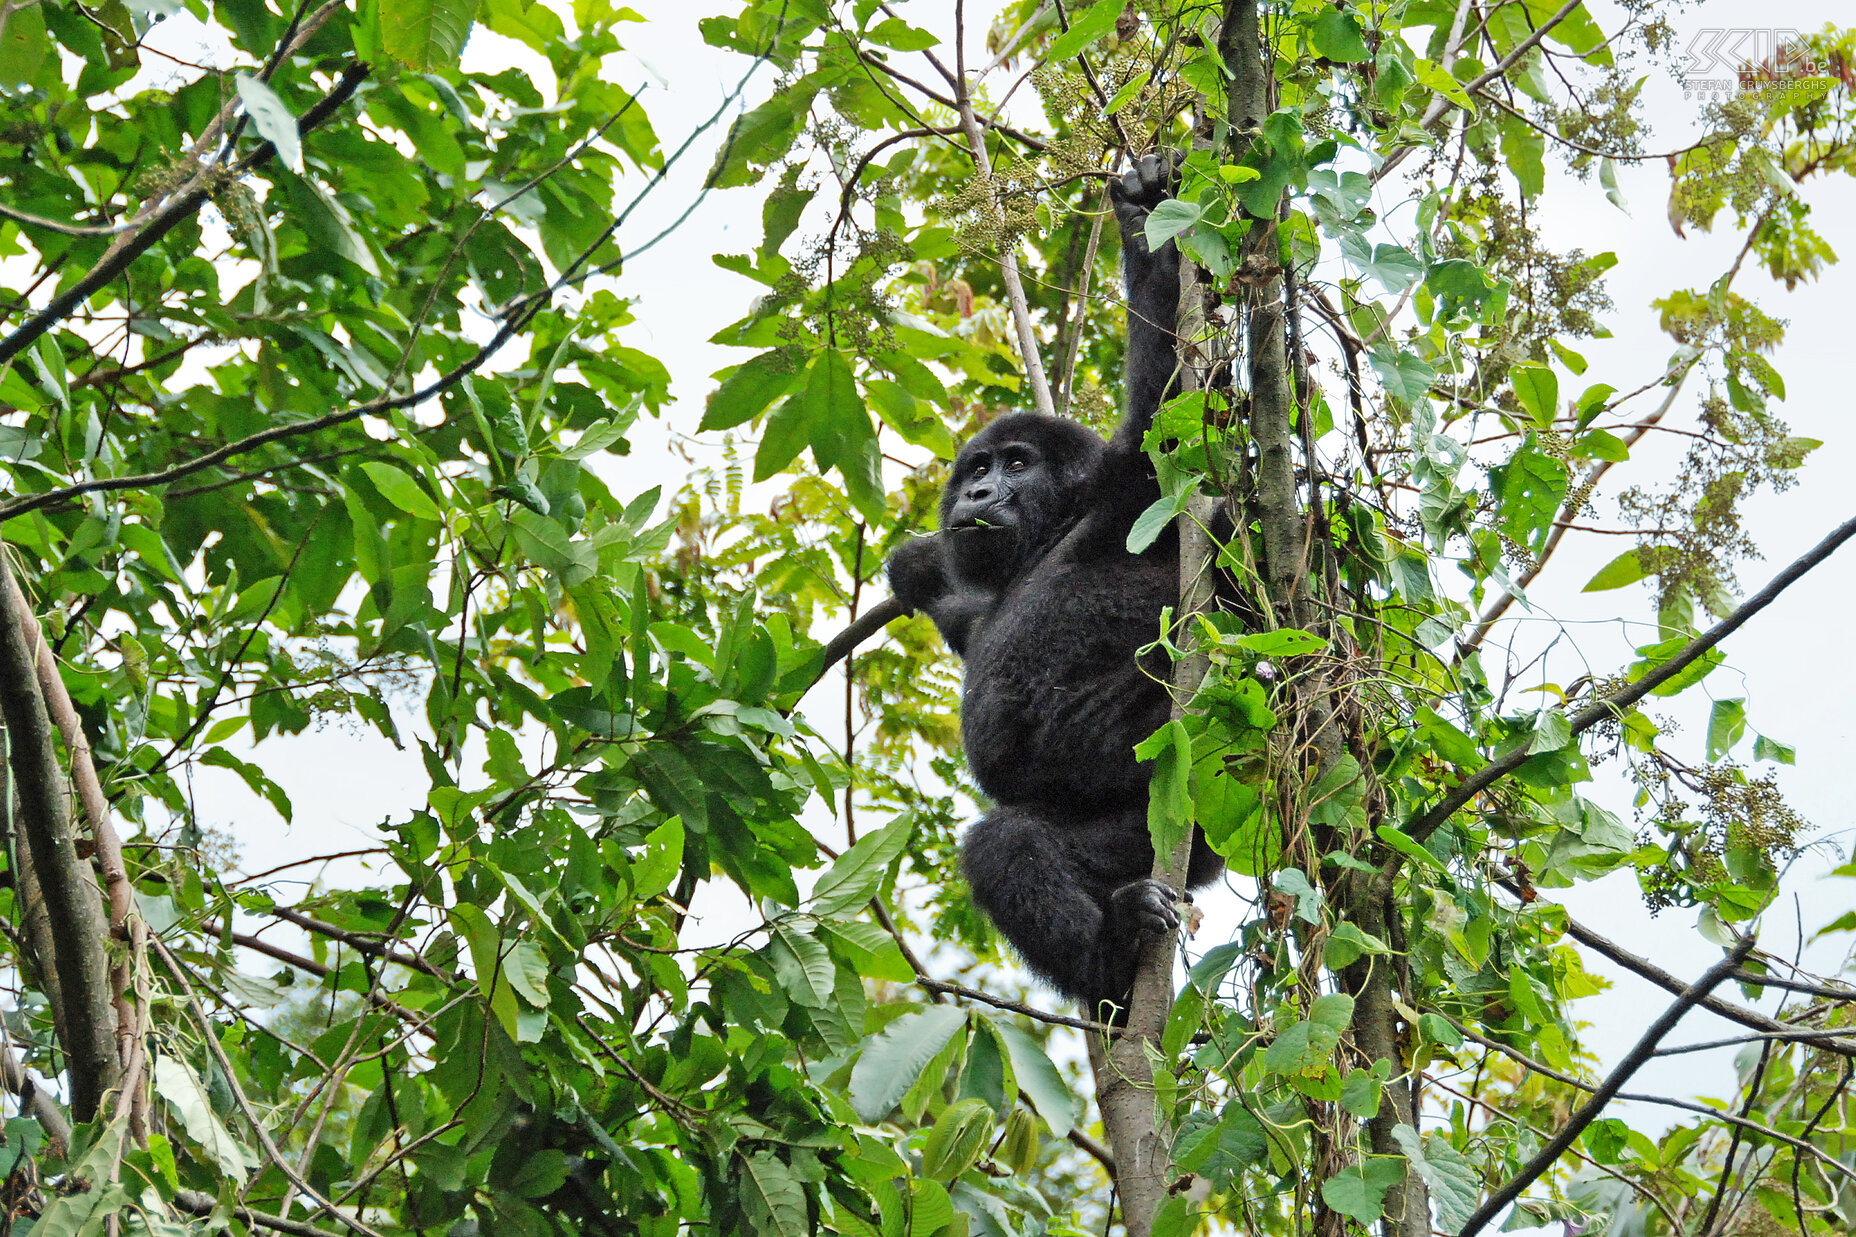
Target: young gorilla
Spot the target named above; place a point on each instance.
(1030, 580)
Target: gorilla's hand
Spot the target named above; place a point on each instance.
(918, 573)
(1141, 188)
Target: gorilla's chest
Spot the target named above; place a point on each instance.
(1055, 697)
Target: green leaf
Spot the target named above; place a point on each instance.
(1435, 77)
(426, 34)
(1169, 798)
(1152, 522)
(893, 1060)
(955, 1142)
(1304, 1047)
(749, 388)
(1454, 1183)
(272, 119)
(1098, 21)
(803, 966)
(1772, 749)
(1531, 486)
(895, 33)
(1407, 377)
(1726, 727)
(1551, 731)
(772, 1196)
(1359, 1192)
(1655, 655)
(1407, 845)
(327, 222)
(1347, 944)
(401, 490)
(1627, 568)
(1283, 642)
(89, 1204)
(1608, 177)
(786, 433)
(841, 434)
(653, 872)
(1308, 899)
(1169, 219)
(1462, 289)
(1039, 1079)
(1392, 266)
(1336, 36)
(186, 1097)
(1362, 1091)
(1538, 389)
(527, 970)
(761, 136)
(1525, 149)
(853, 880)
(1602, 445)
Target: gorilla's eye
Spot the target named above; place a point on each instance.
(981, 470)
(1015, 466)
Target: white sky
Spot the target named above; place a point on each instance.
(1788, 662)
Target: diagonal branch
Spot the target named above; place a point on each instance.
(1434, 114)
(1614, 1082)
(166, 219)
(1713, 1004)
(1008, 248)
(1612, 705)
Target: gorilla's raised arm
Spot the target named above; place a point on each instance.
(1153, 297)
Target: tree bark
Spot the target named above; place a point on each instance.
(78, 955)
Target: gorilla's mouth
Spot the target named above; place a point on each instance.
(983, 523)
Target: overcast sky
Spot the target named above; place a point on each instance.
(1790, 663)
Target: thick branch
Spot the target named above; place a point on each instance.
(1614, 1082)
(258, 1128)
(79, 937)
(867, 624)
(109, 852)
(35, 1097)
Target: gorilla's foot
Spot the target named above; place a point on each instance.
(1143, 907)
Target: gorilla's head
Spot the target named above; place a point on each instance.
(1015, 489)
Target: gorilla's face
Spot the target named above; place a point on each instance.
(1014, 489)
(998, 485)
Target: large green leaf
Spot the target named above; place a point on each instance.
(893, 1059)
(426, 34)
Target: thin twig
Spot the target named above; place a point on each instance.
(1008, 250)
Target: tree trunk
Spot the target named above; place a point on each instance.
(1140, 1135)
(77, 960)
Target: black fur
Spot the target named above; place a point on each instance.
(1030, 580)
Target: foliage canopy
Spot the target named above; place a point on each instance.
(308, 367)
